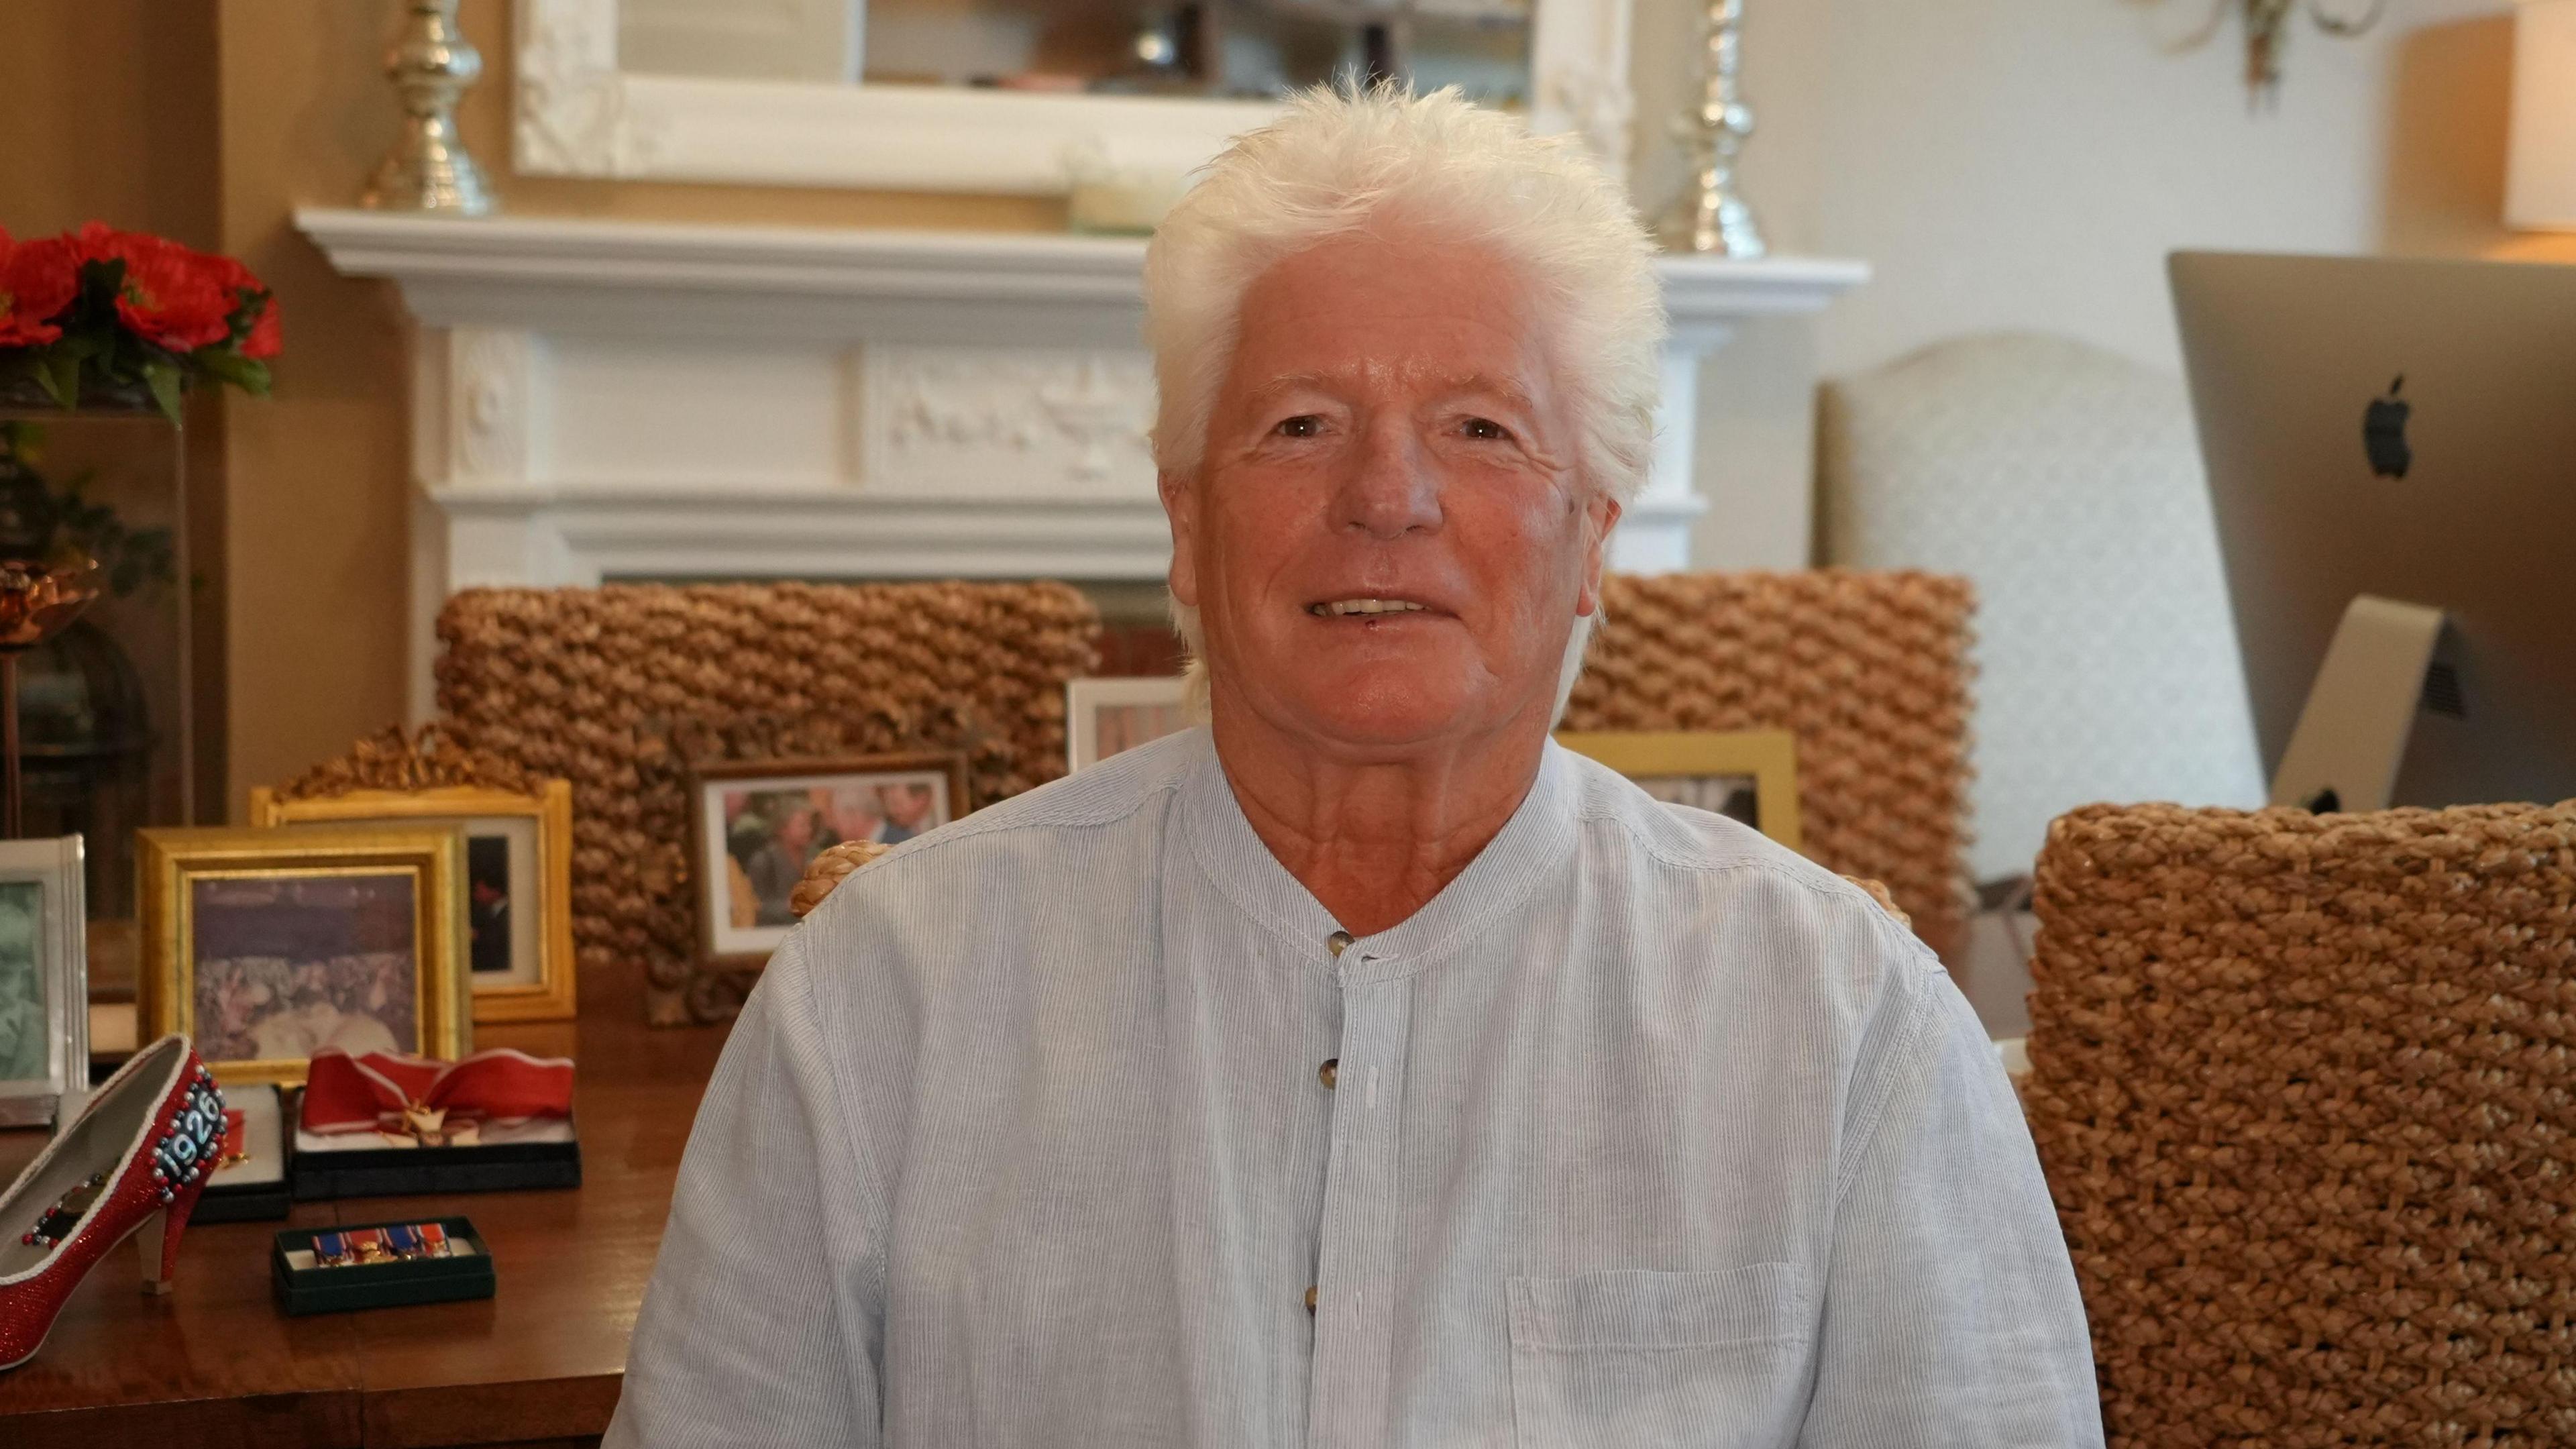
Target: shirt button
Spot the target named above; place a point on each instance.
(1338, 942)
(1310, 1300)
(1328, 1071)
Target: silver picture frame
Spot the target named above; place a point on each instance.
(44, 981)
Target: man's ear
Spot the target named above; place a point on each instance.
(1600, 515)
(1181, 505)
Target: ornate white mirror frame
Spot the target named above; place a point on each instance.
(579, 115)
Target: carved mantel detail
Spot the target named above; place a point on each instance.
(489, 374)
(988, 422)
(572, 115)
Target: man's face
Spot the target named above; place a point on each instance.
(906, 805)
(1389, 431)
(854, 812)
(797, 830)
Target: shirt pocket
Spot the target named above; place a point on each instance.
(1636, 1358)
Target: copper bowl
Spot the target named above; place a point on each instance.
(39, 599)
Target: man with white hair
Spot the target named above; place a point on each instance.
(1365, 1069)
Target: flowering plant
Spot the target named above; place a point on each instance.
(122, 310)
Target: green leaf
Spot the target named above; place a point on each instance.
(61, 376)
(248, 374)
(165, 380)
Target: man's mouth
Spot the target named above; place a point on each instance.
(1348, 608)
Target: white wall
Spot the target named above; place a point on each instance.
(2029, 163)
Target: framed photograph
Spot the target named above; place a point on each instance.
(756, 825)
(267, 945)
(518, 881)
(44, 981)
(1747, 775)
(1105, 716)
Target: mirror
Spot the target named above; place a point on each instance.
(1014, 96)
(1232, 49)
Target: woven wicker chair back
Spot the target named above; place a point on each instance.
(1868, 670)
(2305, 1090)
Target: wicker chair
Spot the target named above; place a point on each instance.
(1868, 670)
(576, 682)
(2305, 1090)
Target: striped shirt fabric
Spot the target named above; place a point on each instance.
(1077, 1123)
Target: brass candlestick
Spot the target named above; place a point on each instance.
(429, 170)
(1710, 216)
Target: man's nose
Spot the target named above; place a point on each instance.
(1392, 488)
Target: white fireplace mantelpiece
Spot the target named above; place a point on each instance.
(601, 400)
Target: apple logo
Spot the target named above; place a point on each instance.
(2383, 433)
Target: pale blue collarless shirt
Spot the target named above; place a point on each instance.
(1645, 1131)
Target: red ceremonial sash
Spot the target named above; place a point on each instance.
(343, 1093)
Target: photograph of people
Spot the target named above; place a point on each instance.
(286, 965)
(765, 830)
(782, 830)
(22, 980)
(487, 876)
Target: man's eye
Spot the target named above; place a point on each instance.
(1304, 425)
(1485, 428)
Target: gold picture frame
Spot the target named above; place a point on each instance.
(178, 866)
(1769, 758)
(552, 994)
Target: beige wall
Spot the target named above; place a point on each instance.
(107, 112)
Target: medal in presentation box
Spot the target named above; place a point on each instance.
(542, 1152)
(388, 1124)
(379, 1265)
(249, 1183)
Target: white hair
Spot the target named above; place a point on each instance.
(1341, 160)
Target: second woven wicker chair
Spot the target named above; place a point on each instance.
(1868, 670)
(2305, 1090)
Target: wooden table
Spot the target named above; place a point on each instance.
(216, 1364)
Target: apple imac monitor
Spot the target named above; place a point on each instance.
(2402, 433)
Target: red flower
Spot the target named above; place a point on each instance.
(264, 338)
(171, 296)
(37, 281)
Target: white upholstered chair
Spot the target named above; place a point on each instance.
(2065, 482)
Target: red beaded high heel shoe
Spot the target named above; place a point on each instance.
(134, 1160)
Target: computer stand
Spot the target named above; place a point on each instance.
(2352, 733)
